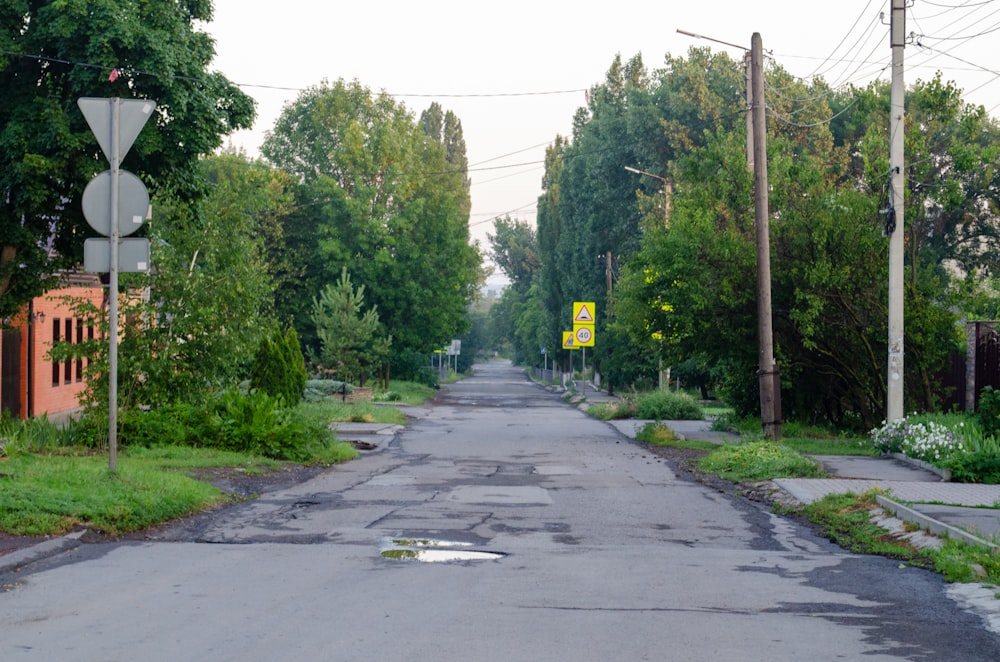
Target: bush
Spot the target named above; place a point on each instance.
(320, 389)
(177, 424)
(257, 423)
(253, 422)
(988, 411)
(974, 467)
(278, 367)
(668, 406)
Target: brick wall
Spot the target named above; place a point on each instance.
(56, 386)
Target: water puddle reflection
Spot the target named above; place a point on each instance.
(428, 550)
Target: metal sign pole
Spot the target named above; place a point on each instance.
(113, 294)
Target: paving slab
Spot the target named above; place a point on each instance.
(875, 468)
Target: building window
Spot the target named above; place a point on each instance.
(68, 363)
(79, 341)
(56, 326)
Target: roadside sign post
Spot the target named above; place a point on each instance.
(584, 321)
(116, 124)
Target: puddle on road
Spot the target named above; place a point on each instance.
(429, 550)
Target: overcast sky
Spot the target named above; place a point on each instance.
(515, 72)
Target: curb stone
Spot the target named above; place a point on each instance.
(13, 561)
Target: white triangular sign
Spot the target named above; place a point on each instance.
(584, 316)
(132, 116)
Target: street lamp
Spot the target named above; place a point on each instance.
(667, 189)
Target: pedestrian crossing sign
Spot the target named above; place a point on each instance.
(569, 340)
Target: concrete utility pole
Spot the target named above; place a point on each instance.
(747, 69)
(770, 383)
(894, 224)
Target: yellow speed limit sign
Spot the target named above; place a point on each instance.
(584, 335)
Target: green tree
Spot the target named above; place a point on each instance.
(207, 301)
(55, 52)
(350, 336)
(384, 198)
(514, 248)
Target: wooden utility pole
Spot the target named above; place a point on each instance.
(770, 383)
(894, 224)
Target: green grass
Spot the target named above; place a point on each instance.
(330, 410)
(713, 410)
(846, 520)
(612, 410)
(410, 393)
(757, 460)
(51, 494)
(829, 446)
(655, 433)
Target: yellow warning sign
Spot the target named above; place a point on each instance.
(584, 312)
(569, 340)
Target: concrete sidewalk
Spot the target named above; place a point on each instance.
(915, 494)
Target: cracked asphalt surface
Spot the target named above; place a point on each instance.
(608, 551)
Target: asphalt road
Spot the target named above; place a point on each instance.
(548, 536)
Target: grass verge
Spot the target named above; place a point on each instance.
(846, 519)
(46, 494)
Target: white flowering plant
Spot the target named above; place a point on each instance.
(929, 441)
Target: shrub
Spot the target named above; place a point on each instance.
(656, 434)
(974, 467)
(668, 406)
(320, 389)
(168, 425)
(988, 411)
(278, 367)
(256, 423)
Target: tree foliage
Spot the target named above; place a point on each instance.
(55, 52)
(384, 198)
(192, 324)
(684, 291)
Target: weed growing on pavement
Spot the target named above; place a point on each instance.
(846, 519)
(656, 433)
(758, 460)
(614, 410)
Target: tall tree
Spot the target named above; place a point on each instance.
(514, 249)
(378, 196)
(55, 52)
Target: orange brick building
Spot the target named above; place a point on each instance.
(31, 384)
